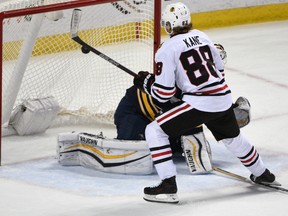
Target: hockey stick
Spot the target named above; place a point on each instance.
(244, 179)
(76, 17)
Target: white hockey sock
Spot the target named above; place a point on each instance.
(165, 169)
(160, 151)
(246, 153)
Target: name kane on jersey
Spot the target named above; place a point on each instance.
(192, 41)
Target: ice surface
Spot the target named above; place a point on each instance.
(33, 183)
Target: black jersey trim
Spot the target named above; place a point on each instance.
(213, 84)
(200, 94)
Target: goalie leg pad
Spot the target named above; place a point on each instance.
(107, 155)
(66, 153)
(197, 153)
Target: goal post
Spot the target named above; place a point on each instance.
(39, 58)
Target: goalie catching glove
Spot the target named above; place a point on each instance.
(144, 81)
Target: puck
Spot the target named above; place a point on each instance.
(85, 50)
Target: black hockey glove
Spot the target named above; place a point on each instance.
(144, 81)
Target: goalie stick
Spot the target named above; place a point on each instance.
(244, 179)
(75, 20)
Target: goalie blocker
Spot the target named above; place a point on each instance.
(125, 156)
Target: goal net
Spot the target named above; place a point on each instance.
(39, 58)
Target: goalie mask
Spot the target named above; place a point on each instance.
(175, 15)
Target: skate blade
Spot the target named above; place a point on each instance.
(275, 183)
(162, 198)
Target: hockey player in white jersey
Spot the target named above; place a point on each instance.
(190, 61)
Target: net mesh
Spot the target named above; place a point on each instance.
(87, 88)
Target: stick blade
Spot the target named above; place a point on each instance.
(75, 20)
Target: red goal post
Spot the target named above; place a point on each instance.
(128, 31)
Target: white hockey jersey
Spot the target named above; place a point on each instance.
(193, 63)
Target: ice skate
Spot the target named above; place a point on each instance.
(165, 192)
(266, 178)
